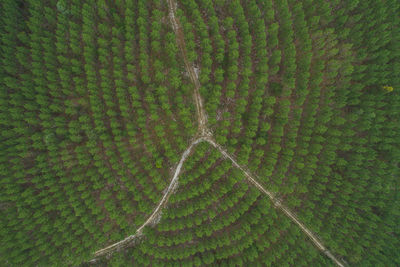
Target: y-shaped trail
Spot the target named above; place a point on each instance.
(206, 135)
(204, 131)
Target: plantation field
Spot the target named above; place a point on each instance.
(199, 133)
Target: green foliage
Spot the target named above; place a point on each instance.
(96, 107)
(310, 113)
(81, 131)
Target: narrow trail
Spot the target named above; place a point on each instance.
(277, 203)
(204, 131)
(180, 39)
(157, 210)
(205, 135)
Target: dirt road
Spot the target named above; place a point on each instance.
(277, 203)
(157, 210)
(180, 39)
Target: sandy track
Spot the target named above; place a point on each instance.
(277, 203)
(156, 211)
(180, 39)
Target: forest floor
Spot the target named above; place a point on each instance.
(205, 135)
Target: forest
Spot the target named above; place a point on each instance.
(199, 133)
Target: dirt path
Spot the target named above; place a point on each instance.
(180, 40)
(205, 135)
(157, 210)
(205, 132)
(277, 203)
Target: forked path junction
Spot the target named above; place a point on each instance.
(205, 135)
